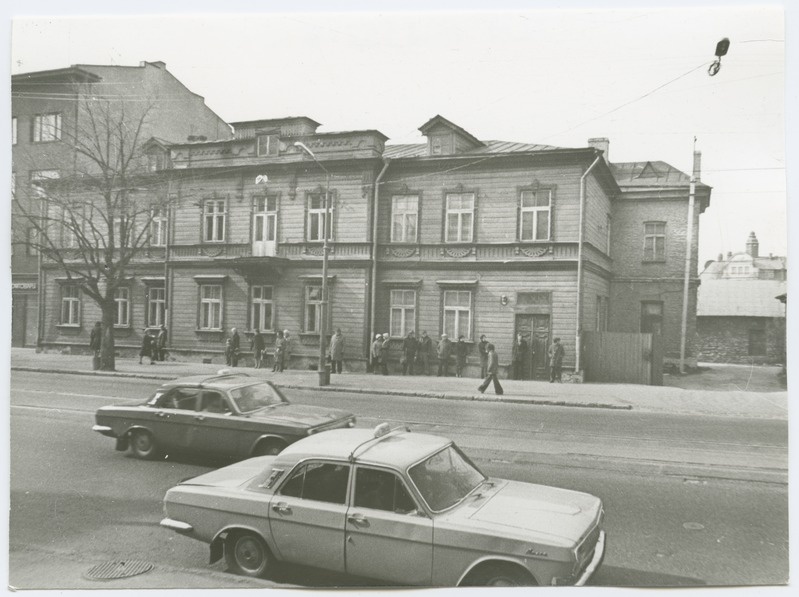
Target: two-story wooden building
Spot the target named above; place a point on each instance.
(454, 236)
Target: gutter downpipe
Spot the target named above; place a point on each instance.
(373, 281)
(687, 281)
(578, 332)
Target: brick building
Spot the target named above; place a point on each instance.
(741, 311)
(456, 235)
(45, 109)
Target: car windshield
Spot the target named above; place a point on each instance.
(445, 478)
(256, 396)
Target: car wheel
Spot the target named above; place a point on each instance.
(247, 554)
(499, 575)
(142, 444)
(269, 448)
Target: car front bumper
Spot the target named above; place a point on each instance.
(599, 554)
(177, 525)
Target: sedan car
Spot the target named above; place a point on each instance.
(229, 415)
(400, 507)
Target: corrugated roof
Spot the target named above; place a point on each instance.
(740, 298)
(419, 150)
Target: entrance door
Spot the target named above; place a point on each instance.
(524, 326)
(540, 346)
(264, 233)
(19, 304)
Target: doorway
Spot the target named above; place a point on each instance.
(535, 331)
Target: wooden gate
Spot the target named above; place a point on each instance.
(623, 358)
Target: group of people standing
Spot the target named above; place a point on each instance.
(280, 352)
(153, 344)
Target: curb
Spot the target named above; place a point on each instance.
(294, 386)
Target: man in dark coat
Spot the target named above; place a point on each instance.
(235, 347)
(423, 348)
(337, 351)
(483, 352)
(148, 347)
(161, 342)
(555, 361)
(460, 356)
(409, 345)
(444, 352)
(277, 366)
(96, 343)
(493, 369)
(519, 357)
(258, 345)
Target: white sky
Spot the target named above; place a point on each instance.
(555, 77)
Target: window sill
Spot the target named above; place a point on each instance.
(209, 331)
(645, 261)
(69, 326)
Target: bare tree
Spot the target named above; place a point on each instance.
(95, 218)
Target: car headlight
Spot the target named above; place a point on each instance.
(351, 422)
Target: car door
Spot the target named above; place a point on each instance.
(173, 417)
(307, 514)
(214, 430)
(387, 535)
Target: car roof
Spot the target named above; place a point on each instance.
(398, 449)
(219, 381)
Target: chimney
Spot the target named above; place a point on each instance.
(729, 254)
(697, 166)
(721, 257)
(752, 246)
(602, 144)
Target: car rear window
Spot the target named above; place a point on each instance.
(256, 396)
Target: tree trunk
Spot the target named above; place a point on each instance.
(107, 351)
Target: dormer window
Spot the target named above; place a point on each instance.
(268, 145)
(441, 144)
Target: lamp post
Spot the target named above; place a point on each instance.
(324, 378)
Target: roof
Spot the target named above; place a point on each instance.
(438, 119)
(649, 174)
(775, 263)
(740, 298)
(267, 122)
(224, 380)
(71, 72)
(398, 450)
(419, 150)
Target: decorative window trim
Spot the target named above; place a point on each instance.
(445, 213)
(521, 211)
(412, 306)
(217, 230)
(262, 301)
(444, 309)
(406, 240)
(309, 197)
(210, 300)
(266, 213)
(129, 310)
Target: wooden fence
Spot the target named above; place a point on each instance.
(617, 357)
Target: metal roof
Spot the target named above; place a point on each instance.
(649, 174)
(419, 150)
(747, 297)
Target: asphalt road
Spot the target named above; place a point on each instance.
(71, 493)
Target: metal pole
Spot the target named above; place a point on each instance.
(323, 379)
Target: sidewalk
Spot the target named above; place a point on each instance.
(663, 399)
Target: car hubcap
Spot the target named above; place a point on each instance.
(142, 442)
(249, 554)
(502, 581)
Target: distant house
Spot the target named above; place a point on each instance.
(740, 315)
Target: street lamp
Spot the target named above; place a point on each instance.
(324, 378)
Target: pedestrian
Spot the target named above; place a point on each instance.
(374, 353)
(409, 345)
(460, 356)
(519, 357)
(286, 352)
(481, 350)
(235, 347)
(555, 361)
(258, 345)
(337, 351)
(493, 369)
(277, 366)
(384, 354)
(444, 352)
(96, 343)
(148, 347)
(161, 343)
(424, 347)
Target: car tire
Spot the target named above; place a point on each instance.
(500, 575)
(270, 447)
(142, 444)
(246, 554)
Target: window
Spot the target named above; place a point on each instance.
(122, 311)
(214, 220)
(13, 130)
(179, 398)
(158, 227)
(264, 218)
(210, 307)
(70, 305)
(156, 306)
(382, 490)
(458, 314)
(262, 308)
(316, 217)
(319, 481)
(460, 218)
(601, 314)
(313, 308)
(268, 145)
(404, 218)
(535, 212)
(403, 312)
(757, 341)
(46, 127)
(652, 317)
(654, 241)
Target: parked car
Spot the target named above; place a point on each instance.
(400, 507)
(229, 415)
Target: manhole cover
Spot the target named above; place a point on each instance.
(112, 570)
(693, 526)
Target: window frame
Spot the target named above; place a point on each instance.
(160, 318)
(397, 477)
(210, 301)
(74, 302)
(459, 212)
(453, 334)
(405, 216)
(403, 308)
(320, 213)
(535, 210)
(659, 232)
(264, 214)
(218, 220)
(272, 145)
(159, 222)
(303, 465)
(262, 303)
(118, 304)
(39, 126)
(647, 317)
(317, 305)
